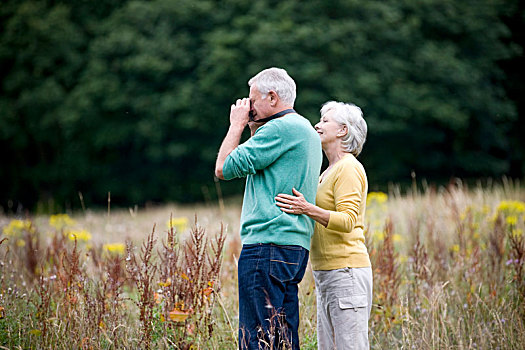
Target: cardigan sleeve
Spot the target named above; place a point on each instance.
(348, 190)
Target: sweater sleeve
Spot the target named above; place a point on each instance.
(348, 193)
(259, 151)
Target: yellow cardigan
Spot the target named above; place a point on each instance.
(342, 191)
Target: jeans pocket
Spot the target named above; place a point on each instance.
(285, 263)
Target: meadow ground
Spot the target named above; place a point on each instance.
(449, 273)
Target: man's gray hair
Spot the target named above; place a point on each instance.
(278, 80)
(350, 115)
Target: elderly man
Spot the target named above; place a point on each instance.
(283, 153)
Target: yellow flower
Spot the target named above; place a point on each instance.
(397, 238)
(512, 220)
(517, 232)
(180, 224)
(116, 248)
(20, 243)
(35, 332)
(16, 227)
(60, 221)
(379, 235)
(455, 248)
(511, 208)
(465, 213)
(376, 197)
(82, 235)
(165, 284)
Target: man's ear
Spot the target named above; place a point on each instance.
(274, 98)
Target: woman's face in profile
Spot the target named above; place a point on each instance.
(328, 129)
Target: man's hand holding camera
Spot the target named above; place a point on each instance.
(239, 113)
(239, 118)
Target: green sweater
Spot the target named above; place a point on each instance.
(284, 153)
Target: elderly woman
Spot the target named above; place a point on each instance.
(340, 261)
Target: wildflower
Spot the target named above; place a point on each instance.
(465, 214)
(178, 315)
(158, 297)
(180, 224)
(82, 235)
(167, 283)
(455, 248)
(16, 227)
(35, 332)
(469, 251)
(376, 197)
(60, 221)
(184, 276)
(208, 290)
(517, 232)
(397, 238)
(511, 208)
(20, 243)
(117, 248)
(379, 235)
(512, 220)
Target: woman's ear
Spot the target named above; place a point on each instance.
(342, 131)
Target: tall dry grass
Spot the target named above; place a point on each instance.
(448, 274)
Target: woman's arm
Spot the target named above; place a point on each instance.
(298, 205)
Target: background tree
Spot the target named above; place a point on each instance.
(132, 97)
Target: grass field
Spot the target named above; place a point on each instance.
(449, 273)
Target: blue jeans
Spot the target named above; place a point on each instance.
(268, 301)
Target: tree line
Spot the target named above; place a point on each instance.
(132, 97)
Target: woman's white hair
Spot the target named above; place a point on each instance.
(278, 80)
(350, 115)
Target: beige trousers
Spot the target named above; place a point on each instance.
(344, 302)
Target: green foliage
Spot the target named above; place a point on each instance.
(132, 97)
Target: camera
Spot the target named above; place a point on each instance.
(250, 113)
